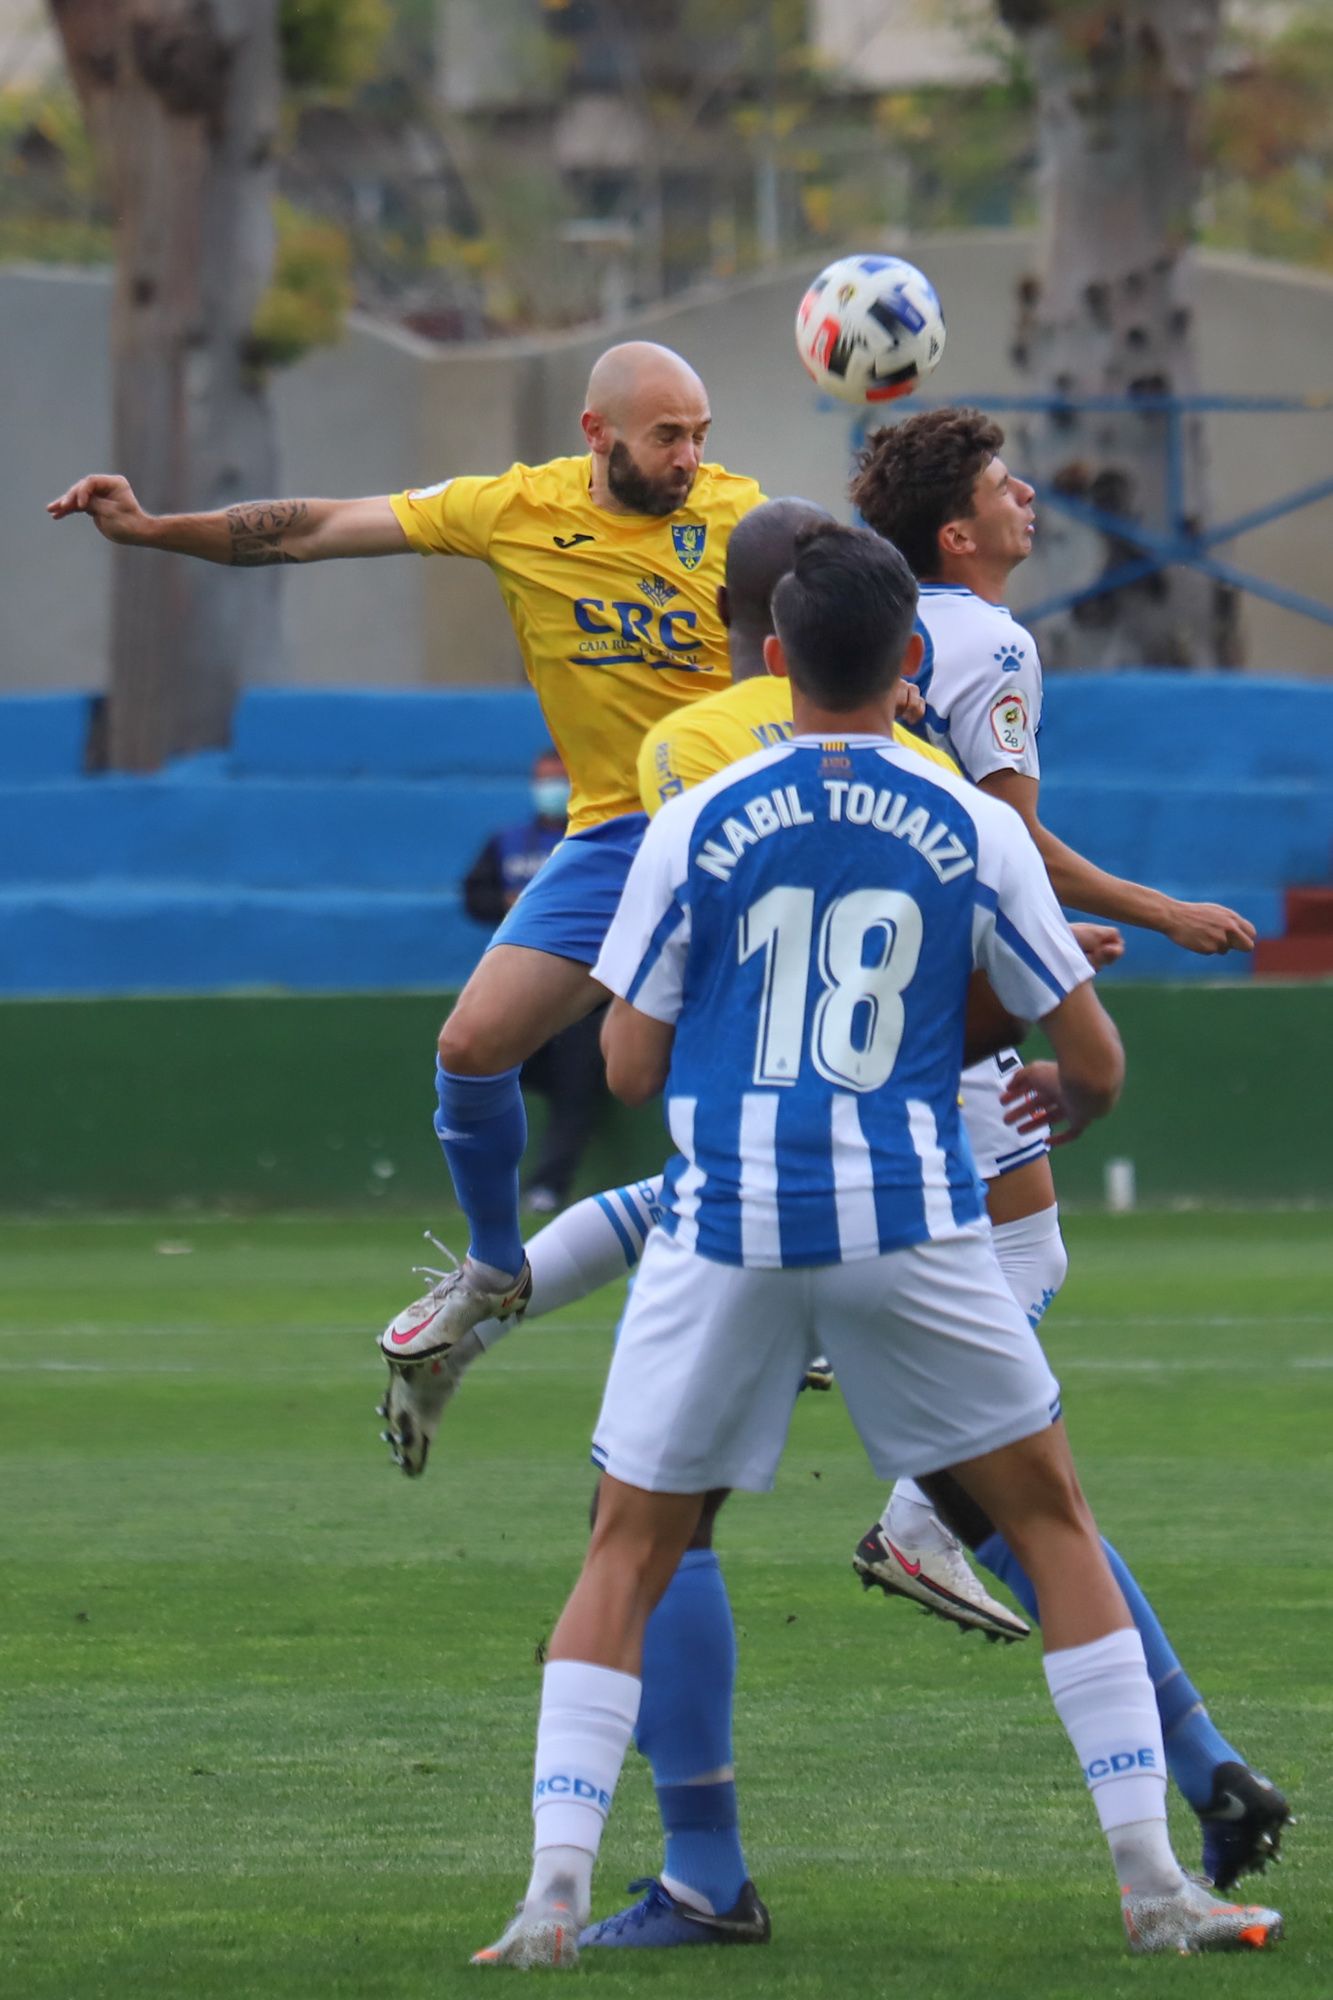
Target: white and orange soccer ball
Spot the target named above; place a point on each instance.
(869, 329)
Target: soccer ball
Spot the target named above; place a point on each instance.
(869, 328)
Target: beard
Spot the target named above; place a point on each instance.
(638, 490)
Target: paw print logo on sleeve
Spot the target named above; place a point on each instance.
(1010, 657)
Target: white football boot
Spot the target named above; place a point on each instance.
(542, 1934)
(937, 1577)
(430, 1344)
(1194, 1919)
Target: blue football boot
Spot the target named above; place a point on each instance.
(658, 1919)
(1242, 1824)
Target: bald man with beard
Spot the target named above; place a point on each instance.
(609, 565)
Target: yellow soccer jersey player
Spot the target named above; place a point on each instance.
(616, 614)
(753, 714)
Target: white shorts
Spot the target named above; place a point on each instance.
(935, 1361)
(997, 1147)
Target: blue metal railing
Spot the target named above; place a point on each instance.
(1182, 543)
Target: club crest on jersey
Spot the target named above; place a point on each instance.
(689, 539)
(657, 590)
(1009, 723)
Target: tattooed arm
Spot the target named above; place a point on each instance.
(249, 536)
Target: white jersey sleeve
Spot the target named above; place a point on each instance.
(643, 953)
(1020, 937)
(983, 683)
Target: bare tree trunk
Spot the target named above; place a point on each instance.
(1109, 312)
(181, 99)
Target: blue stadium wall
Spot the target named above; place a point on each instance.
(220, 986)
(323, 851)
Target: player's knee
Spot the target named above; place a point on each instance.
(468, 1048)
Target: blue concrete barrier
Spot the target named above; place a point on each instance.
(201, 939)
(304, 732)
(353, 833)
(43, 736)
(324, 851)
(1168, 726)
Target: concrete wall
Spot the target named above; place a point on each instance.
(384, 410)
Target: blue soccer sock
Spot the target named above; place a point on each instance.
(1194, 1745)
(684, 1730)
(483, 1127)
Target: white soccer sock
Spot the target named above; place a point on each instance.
(1031, 1253)
(909, 1519)
(1104, 1698)
(587, 1246)
(587, 1719)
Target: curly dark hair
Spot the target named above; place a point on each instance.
(913, 477)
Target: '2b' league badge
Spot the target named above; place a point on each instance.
(1009, 722)
(689, 540)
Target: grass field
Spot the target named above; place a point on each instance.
(266, 1708)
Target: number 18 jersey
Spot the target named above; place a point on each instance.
(809, 920)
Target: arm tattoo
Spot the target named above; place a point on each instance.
(257, 529)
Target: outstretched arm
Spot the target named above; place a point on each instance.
(251, 535)
(1203, 927)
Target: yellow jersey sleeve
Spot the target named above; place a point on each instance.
(905, 740)
(458, 517)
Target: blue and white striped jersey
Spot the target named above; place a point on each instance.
(981, 682)
(809, 920)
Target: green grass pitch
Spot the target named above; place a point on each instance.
(266, 1708)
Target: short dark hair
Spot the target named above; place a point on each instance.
(914, 477)
(844, 613)
(760, 553)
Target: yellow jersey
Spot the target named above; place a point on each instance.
(615, 614)
(751, 715)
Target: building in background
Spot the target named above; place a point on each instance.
(29, 52)
(902, 44)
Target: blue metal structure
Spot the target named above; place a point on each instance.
(1180, 543)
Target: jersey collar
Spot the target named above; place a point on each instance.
(959, 590)
(861, 742)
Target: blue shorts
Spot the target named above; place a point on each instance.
(567, 907)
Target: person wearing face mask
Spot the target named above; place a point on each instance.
(567, 1070)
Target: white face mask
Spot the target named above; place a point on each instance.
(550, 798)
